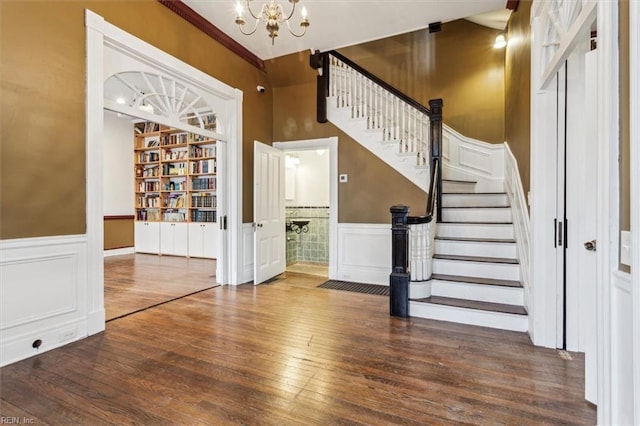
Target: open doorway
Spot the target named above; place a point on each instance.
(311, 205)
(307, 211)
(160, 214)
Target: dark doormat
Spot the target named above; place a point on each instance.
(381, 290)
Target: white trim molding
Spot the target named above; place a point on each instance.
(634, 71)
(43, 294)
(520, 214)
(119, 251)
(608, 196)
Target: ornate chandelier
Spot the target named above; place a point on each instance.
(273, 16)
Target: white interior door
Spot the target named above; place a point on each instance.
(587, 271)
(221, 241)
(268, 212)
(581, 206)
(560, 218)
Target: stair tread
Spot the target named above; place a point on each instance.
(476, 280)
(459, 181)
(473, 304)
(476, 259)
(477, 223)
(478, 240)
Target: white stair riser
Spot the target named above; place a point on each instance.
(419, 289)
(499, 271)
(477, 317)
(458, 187)
(484, 214)
(474, 200)
(471, 248)
(480, 292)
(464, 230)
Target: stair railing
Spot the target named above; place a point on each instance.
(415, 129)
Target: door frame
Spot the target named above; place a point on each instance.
(330, 143)
(98, 34)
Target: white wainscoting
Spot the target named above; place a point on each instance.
(43, 294)
(470, 159)
(622, 398)
(364, 253)
(521, 221)
(247, 253)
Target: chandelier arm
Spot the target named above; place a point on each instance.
(293, 9)
(255, 27)
(304, 31)
(252, 14)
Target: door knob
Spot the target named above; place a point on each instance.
(590, 245)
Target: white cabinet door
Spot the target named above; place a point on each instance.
(147, 237)
(173, 238)
(210, 240)
(196, 240)
(202, 239)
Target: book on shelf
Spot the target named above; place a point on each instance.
(174, 216)
(174, 201)
(204, 183)
(203, 216)
(203, 200)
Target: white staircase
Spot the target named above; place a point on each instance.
(476, 274)
(470, 273)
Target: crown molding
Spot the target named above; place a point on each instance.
(191, 16)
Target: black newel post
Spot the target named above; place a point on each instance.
(435, 120)
(399, 279)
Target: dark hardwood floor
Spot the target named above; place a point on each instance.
(289, 353)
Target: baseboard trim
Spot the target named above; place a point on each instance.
(119, 251)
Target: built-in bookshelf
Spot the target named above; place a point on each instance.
(175, 174)
(176, 190)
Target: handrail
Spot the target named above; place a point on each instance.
(382, 83)
(431, 199)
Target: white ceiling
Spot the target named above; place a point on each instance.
(339, 23)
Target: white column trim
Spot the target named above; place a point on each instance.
(94, 164)
(608, 194)
(634, 71)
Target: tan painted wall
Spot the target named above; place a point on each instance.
(118, 233)
(373, 186)
(42, 101)
(458, 64)
(518, 90)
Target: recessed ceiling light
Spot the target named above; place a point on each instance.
(121, 101)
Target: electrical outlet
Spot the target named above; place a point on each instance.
(344, 178)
